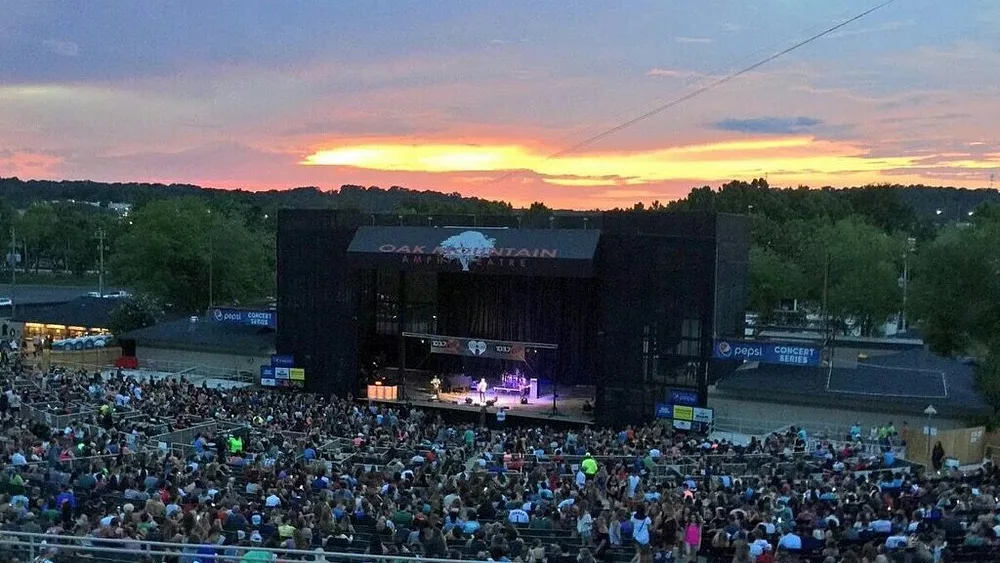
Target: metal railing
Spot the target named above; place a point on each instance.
(753, 427)
(31, 546)
(193, 370)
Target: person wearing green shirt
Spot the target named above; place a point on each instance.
(589, 466)
(256, 554)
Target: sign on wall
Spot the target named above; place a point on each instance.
(684, 417)
(282, 373)
(478, 348)
(244, 317)
(781, 353)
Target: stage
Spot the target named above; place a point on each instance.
(569, 403)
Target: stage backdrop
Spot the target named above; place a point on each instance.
(477, 348)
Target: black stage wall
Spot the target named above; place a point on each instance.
(319, 297)
(660, 305)
(636, 321)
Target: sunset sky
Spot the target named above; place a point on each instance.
(476, 97)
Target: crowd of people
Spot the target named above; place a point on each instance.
(296, 476)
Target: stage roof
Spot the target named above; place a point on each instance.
(533, 252)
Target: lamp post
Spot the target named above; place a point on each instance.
(211, 260)
(930, 411)
(100, 267)
(13, 259)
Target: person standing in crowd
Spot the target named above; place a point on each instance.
(937, 457)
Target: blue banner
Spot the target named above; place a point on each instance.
(286, 362)
(664, 410)
(781, 353)
(687, 397)
(245, 317)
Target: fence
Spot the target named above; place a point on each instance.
(967, 445)
(192, 370)
(93, 359)
(748, 426)
(56, 417)
(30, 546)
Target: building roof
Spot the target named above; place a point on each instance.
(892, 381)
(203, 335)
(87, 312)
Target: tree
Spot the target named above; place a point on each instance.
(956, 288)
(853, 267)
(37, 229)
(537, 216)
(772, 278)
(133, 313)
(187, 254)
(987, 380)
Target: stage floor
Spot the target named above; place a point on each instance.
(569, 403)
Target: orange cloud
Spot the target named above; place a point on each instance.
(611, 178)
(816, 161)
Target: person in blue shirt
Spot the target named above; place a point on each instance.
(66, 497)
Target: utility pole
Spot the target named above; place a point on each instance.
(100, 269)
(211, 260)
(826, 290)
(911, 245)
(13, 271)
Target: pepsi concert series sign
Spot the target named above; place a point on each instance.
(781, 353)
(477, 348)
(245, 317)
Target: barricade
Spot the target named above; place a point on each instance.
(55, 416)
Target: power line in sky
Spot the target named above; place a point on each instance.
(708, 87)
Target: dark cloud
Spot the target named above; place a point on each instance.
(769, 125)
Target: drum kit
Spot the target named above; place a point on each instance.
(515, 380)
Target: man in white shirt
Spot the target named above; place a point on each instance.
(881, 526)
(790, 541)
(272, 501)
(18, 459)
(518, 516)
(897, 541)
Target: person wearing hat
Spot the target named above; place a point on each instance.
(256, 554)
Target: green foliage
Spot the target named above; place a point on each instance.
(988, 380)
(135, 312)
(184, 252)
(773, 277)
(956, 287)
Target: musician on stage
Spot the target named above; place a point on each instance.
(482, 390)
(436, 386)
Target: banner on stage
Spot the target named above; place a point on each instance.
(478, 348)
(781, 353)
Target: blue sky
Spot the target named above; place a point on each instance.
(453, 95)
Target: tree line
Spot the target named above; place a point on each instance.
(848, 254)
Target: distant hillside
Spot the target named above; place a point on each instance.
(21, 193)
(926, 202)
